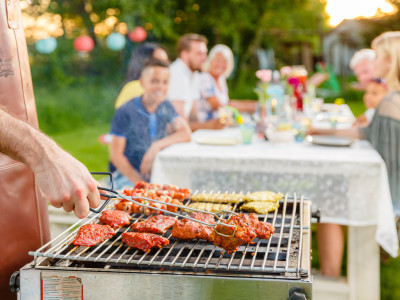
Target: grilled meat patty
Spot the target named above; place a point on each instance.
(115, 218)
(144, 241)
(92, 234)
(156, 224)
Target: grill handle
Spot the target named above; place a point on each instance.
(316, 215)
(14, 282)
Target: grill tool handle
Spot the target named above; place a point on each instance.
(102, 194)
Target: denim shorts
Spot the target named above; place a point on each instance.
(120, 181)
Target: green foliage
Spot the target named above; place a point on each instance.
(243, 25)
(78, 105)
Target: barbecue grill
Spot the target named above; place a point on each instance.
(277, 268)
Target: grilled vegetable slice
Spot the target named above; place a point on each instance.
(211, 207)
(263, 196)
(217, 198)
(260, 207)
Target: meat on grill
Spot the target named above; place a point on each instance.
(133, 208)
(115, 218)
(92, 234)
(248, 227)
(144, 241)
(245, 233)
(186, 229)
(263, 229)
(155, 224)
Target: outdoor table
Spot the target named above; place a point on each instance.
(349, 185)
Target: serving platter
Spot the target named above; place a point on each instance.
(222, 141)
(330, 140)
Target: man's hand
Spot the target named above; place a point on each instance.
(214, 124)
(61, 179)
(67, 183)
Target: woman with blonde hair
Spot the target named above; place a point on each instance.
(214, 90)
(384, 135)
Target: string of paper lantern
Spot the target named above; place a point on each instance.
(84, 44)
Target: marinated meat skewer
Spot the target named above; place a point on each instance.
(92, 234)
(144, 241)
(245, 233)
(115, 218)
(156, 224)
(247, 228)
(263, 229)
(186, 229)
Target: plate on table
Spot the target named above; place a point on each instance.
(222, 141)
(330, 140)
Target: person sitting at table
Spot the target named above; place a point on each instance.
(213, 87)
(143, 126)
(362, 64)
(131, 87)
(384, 135)
(184, 88)
(375, 91)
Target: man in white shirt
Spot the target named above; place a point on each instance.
(184, 87)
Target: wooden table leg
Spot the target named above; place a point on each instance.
(363, 267)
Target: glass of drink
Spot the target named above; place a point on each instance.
(247, 131)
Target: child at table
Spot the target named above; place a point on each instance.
(384, 135)
(375, 91)
(144, 126)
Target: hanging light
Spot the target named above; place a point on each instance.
(83, 43)
(137, 35)
(115, 41)
(46, 46)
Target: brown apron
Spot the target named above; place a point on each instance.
(24, 222)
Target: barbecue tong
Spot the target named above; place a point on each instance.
(114, 194)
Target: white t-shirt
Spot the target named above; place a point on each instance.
(184, 85)
(369, 114)
(209, 88)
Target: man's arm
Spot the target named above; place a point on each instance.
(120, 161)
(353, 132)
(181, 133)
(210, 124)
(61, 179)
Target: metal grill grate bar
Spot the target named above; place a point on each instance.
(291, 232)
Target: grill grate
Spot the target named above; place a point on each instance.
(279, 256)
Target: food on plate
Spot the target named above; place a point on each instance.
(144, 241)
(217, 197)
(115, 218)
(260, 207)
(247, 228)
(186, 229)
(155, 224)
(211, 207)
(263, 196)
(92, 234)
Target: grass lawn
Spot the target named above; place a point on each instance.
(83, 144)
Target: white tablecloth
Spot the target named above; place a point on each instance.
(348, 184)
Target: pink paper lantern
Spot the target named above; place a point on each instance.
(83, 43)
(137, 35)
